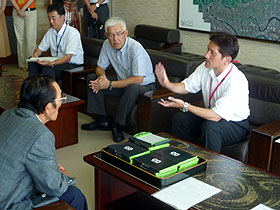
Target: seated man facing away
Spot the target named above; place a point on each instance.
(135, 76)
(225, 93)
(64, 42)
(30, 174)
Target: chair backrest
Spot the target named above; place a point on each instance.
(154, 37)
(264, 88)
(177, 67)
(92, 48)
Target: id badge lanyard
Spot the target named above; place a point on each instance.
(57, 46)
(211, 95)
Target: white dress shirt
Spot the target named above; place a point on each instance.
(66, 41)
(231, 99)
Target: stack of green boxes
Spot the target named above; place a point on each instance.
(153, 154)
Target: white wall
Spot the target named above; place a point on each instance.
(164, 13)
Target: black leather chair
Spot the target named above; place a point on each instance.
(264, 103)
(158, 38)
(147, 114)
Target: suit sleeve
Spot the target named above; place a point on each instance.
(42, 166)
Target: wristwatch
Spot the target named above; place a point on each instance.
(185, 108)
(97, 5)
(110, 86)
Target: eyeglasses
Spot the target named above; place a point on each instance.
(118, 34)
(63, 98)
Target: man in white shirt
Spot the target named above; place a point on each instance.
(225, 92)
(96, 13)
(64, 42)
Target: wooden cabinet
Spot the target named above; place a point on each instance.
(265, 147)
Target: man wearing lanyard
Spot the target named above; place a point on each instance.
(64, 42)
(25, 25)
(96, 12)
(225, 92)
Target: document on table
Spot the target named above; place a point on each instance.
(186, 193)
(261, 207)
(42, 59)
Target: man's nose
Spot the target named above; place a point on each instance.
(207, 54)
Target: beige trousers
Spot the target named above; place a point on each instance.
(4, 39)
(26, 34)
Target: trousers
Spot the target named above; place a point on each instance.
(128, 98)
(26, 34)
(210, 134)
(96, 28)
(55, 72)
(75, 198)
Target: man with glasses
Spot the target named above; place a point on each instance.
(64, 42)
(30, 174)
(134, 76)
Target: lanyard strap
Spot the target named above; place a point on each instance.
(57, 46)
(211, 95)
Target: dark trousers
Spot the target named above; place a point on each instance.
(128, 98)
(96, 28)
(55, 72)
(75, 198)
(213, 135)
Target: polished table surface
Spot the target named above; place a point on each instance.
(243, 187)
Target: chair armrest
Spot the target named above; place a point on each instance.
(271, 129)
(262, 140)
(156, 118)
(157, 94)
(172, 48)
(68, 74)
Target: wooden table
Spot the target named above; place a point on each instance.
(243, 187)
(65, 128)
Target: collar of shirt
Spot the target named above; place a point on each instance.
(61, 30)
(38, 118)
(222, 75)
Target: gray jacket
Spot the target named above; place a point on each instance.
(28, 165)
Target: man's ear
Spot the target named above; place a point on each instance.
(126, 32)
(227, 59)
(48, 108)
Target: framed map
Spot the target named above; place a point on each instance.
(258, 19)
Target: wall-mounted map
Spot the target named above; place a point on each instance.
(248, 18)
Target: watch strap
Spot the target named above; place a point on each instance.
(110, 86)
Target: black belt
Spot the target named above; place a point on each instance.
(99, 5)
(30, 9)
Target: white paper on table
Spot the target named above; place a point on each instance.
(186, 193)
(42, 59)
(261, 207)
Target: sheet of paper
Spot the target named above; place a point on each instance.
(42, 59)
(261, 207)
(186, 193)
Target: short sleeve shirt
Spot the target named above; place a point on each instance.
(131, 60)
(231, 99)
(66, 41)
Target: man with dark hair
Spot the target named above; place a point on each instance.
(30, 174)
(64, 42)
(225, 92)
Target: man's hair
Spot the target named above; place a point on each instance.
(112, 21)
(59, 8)
(227, 43)
(36, 92)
